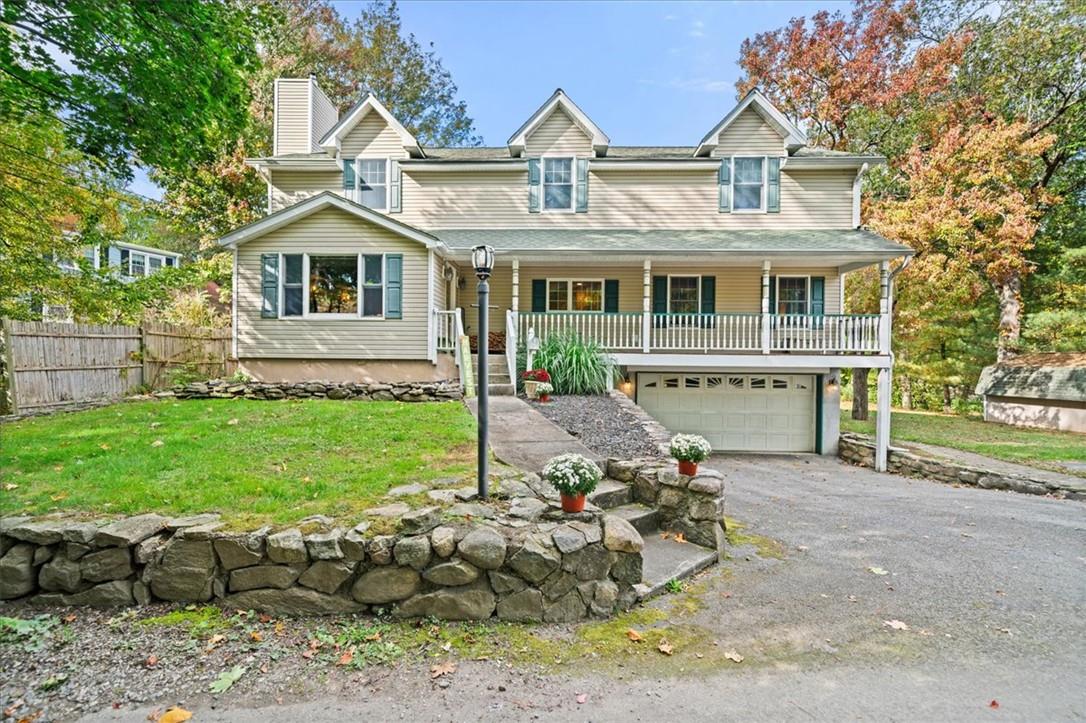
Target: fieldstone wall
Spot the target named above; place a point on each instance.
(859, 449)
(361, 391)
(518, 558)
(692, 505)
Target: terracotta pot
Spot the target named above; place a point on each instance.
(688, 468)
(572, 503)
(544, 397)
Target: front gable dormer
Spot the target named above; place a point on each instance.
(559, 127)
(370, 128)
(754, 125)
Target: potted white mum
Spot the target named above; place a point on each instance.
(574, 476)
(689, 449)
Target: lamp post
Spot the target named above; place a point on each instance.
(482, 258)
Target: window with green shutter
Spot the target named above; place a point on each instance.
(269, 285)
(348, 174)
(394, 286)
(724, 182)
(773, 185)
(534, 179)
(582, 185)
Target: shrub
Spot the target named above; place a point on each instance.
(576, 366)
(572, 474)
(690, 448)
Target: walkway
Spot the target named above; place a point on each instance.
(522, 437)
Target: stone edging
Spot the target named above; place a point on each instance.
(656, 432)
(397, 391)
(859, 449)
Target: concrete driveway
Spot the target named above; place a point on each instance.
(990, 588)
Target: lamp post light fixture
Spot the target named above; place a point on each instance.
(482, 259)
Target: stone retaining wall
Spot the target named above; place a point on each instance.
(399, 391)
(693, 505)
(655, 432)
(527, 562)
(859, 449)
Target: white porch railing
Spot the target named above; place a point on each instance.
(445, 329)
(511, 345)
(707, 333)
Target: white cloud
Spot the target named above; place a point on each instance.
(697, 29)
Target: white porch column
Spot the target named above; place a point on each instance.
(646, 306)
(885, 307)
(882, 420)
(765, 307)
(516, 286)
(831, 412)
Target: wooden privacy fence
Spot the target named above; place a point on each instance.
(48, 365)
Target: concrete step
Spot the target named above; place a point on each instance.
(501, 390)
(610, 494)
(645, 519)
(664, 560)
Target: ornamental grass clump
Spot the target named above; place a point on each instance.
(576, 365)
(689, 449)
(574, 476)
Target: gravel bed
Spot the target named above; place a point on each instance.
(600, 423)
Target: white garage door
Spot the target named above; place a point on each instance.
(735, 412)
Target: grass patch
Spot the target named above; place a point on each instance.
(765, 546)
(1037, 447)
(253, 461)
(197, 620)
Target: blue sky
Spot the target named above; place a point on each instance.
(648, 73)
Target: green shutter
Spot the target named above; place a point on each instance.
(539, 294)
(724, 181)
(269, 285)
(395, 200)
(610, 296)
(818, 295)
(773, 193)
(394, 286)
(348, 174)
(582, 185)
(772, 294)
(708, 294)
(534, 185)
(659, 294)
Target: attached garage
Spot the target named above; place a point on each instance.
(735, 412)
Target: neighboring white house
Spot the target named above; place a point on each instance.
(713, 273)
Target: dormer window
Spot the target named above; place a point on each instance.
(558, 184)
(373, 183)
(749, 184)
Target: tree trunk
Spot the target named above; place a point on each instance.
(860, 406)
(1010, 317)
(906, 392)
(947, 408)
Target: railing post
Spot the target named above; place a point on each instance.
(765, 308)
(646, 307)
(884, 307)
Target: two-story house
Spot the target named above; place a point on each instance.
(712, 273)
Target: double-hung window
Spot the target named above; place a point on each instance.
(373, 285)
(333, 284)
(373, 182)
(558, 184)
(293, 303)
(684, 295)
(748, 186)
(574, 295)
(137, 264)
(793, 295)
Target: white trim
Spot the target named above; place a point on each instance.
(334, 138)
(275, 117)
(319, 202)
(309, 115)
(234, 306)
(683, 276)
(790, 132)
(827, 163)
(751, 362)
(857, 186)
(569, 295)
(422, 165)
(431, 339)
(702, 165)
(360, 285)
(145, 249)
(599, 139)
(543, 183)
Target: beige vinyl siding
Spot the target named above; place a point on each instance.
(621, 199)
(332, 231)
(374, 138)
(749, 135)
(738, 289)
(290, 187)
(325, 116)
(292, 116)
(558, 135)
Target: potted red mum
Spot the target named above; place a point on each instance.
(532, 379)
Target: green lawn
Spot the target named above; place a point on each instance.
(253, 461)
(1035, 447)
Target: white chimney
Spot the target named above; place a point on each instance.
(303, 115)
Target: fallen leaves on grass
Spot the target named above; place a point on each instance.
(175, 715)
(733, 656)
(151, 661)
(877, 571)
(256, 636)
(582, 698)
(157, 443)
(215, 641)
(895, 624)
(226, 679)
(233, 422)
(347, 658)
(665, 647)
(994, 704)
(441, 669)
(633, 635)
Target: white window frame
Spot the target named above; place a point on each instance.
(362, 285)
(683, 276)
(147, 256)
(765, 185)
(282, 273)
(806, 293)
(572, 183)
(358, 180)
(569, 295)
(360, 275)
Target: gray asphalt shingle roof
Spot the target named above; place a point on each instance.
(629, 240)
(1037, 376)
